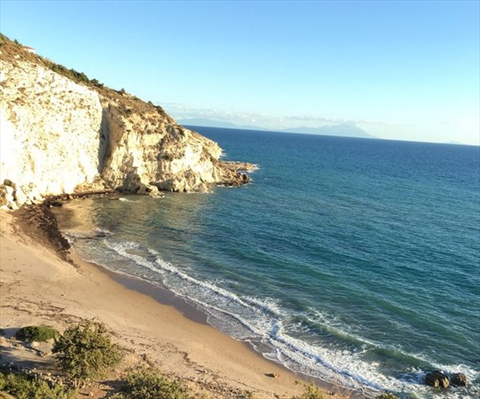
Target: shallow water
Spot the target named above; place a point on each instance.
(352, 260)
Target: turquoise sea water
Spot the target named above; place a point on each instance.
(353, 260)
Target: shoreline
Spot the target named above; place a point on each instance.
(166, 297)
(142, 317)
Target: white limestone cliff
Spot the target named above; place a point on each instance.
(50, 131)
(166, 156)
(58, 136)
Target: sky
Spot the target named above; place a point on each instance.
(406, 70)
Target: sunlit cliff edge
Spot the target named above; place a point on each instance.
(62, 133)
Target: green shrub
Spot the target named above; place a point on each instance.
(312, 392)
(96, 83)
(86, 351)
(386, 395)
(246, 395)
(148, 384)
(36, 333)
(23, 386)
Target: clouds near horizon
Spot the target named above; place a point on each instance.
(406, 70)
(380, 129)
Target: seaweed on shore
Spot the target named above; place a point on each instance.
(39, 223)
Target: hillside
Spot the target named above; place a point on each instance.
(64, 133)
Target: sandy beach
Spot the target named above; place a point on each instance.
(37, 286)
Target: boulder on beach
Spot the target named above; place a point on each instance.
(458, 379)
(437, 379)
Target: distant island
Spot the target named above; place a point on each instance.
(348, 129)
(341, 130)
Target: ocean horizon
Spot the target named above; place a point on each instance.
(351, 260)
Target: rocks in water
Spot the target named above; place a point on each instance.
(386, 395)
(437, 379)
(150, 190)
(458, 379)
(233, 173)
(155, 193)
(239, 166)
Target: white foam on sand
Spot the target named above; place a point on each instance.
(263, 323)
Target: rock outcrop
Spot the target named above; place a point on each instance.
(458, 379)
(437, 379)
(62, 133)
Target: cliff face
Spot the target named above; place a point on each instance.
(164, 155)
(51, 132)
(60, 136)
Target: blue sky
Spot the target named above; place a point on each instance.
(398, 69)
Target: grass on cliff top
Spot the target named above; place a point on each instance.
(13, 52)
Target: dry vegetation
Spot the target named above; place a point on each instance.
(14, 52)
(85, 356)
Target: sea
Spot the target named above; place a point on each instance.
(354, 261)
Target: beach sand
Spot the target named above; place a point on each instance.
(37, 286)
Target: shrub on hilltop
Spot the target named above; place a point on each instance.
(86, 351)
(36, 333)
(15, 53)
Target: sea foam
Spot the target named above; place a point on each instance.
(262, 322)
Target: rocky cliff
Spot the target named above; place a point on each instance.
(61, 132)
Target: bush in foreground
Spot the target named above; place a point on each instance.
(86, 351)
(23, 386)
(148, 384)
(36, 333)
(312, 392)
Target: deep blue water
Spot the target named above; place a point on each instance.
(353, 260)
